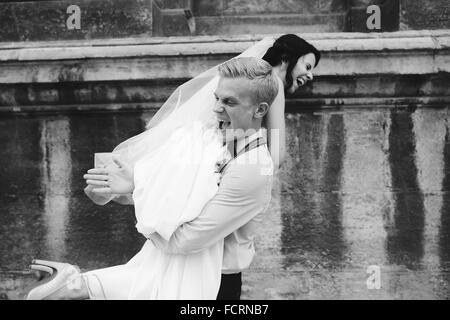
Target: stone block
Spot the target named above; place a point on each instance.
(252, 7)
(157, 17)
(174, 4)
(208, 7)
(425, 14)
(390, 16)
(244, 7)
(269, 24)
(175, 23)
(46, 20)
(332, 5)
(225, 17)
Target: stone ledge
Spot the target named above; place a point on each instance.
(292, 105)
(394, 53)
(430, 39)
(79, 108)
(324, 91)
(397, 69)
(228, 39)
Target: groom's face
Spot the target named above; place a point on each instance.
(235, 106)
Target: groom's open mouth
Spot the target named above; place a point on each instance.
(223, 125)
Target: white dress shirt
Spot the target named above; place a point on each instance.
(233, 213)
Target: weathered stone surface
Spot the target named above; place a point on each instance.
(359, 187)
(157, 20)
(175, 23)
(390, 16)
(425, 14)
(176, 58)
(389, 68)
(331, 6)
(46, 20)
(346, 90)
(232, 17)
(112, 92)
(174, 4)
(412, 14)
(240, 7)
(208, 7)
(365, 3)
(270, 23)
(244, 7)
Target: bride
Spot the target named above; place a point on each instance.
(170, 171)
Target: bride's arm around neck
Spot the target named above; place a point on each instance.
(276, 131)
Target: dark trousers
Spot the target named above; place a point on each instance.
(230, 287)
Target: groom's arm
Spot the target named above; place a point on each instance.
(244, 192)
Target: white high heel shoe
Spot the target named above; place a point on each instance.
(66, 282)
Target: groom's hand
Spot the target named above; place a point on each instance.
(116, 178)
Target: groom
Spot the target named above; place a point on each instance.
(246, 89)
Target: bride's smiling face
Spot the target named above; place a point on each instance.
(301, 73)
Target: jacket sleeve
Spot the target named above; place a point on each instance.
(244, 192)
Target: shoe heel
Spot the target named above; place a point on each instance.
(38, 267)
(41, 271)
(49, 264)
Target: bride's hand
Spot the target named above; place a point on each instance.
(116, 178)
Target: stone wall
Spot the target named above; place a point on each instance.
(100, 19)
(357, 15)
(249, 7)
(232, 17)
(229, 17)
(425, 14)
(400, 15)
(46, 20)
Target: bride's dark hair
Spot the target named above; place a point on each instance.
(289, 48)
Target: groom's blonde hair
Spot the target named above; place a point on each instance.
(264, 83)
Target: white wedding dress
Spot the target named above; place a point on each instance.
(174, 175)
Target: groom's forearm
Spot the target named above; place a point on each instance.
(243, 194)
(215, 223)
